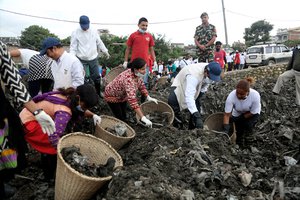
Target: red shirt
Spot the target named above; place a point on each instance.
(140, 43)
(219, 57)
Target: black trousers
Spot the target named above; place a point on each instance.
(36, 85)
(119, 110)
(173, 102)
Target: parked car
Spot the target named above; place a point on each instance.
(267, 54)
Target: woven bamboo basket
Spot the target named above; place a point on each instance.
(113, 74)
(162, 80)
(115, 141)
(214, 122)
(151, 107)
(69, 183)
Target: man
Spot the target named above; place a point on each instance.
(140, 44)
(205, 37)
(293, 71)
(186, 90)
(68, 71)
(40, 76)
(220, 55)
(85, 44)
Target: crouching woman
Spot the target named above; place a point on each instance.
(62, 105)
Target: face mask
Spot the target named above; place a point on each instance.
(141, 30)
(138, 74)
(79, 108)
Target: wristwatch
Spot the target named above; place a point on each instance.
(37, 112)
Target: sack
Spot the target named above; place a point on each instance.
(8, 156)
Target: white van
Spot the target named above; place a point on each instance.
(268, 54)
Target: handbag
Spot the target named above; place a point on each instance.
(8, 156)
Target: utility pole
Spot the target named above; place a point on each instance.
(225, 27)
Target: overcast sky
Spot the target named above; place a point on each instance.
(175, 19)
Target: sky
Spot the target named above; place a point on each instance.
(176, 19)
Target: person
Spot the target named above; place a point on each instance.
(292, 71)
(171, 69)
(220, 55)
(229, 60)
(10, 124)
(140, 44)
(85, 44)
(186, 88)
(242, 107)
(184, 62)
(237, 60)
(205, 36)
(40, 76)
(62, 105)
(68, 71)
(123, 89)
(242, 61)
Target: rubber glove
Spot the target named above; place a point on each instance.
(97, 119)
(197, 120)
(46, 122)
(146, 121)
(152, 99)
(125, 64)
(226, 128)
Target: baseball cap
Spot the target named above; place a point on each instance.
(214, 70)
(203, 14)
(48, 43)
(84, 22)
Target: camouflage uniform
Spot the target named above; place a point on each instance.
(204, 34)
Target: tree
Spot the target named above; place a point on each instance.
(239, 46)
(258, 32)
(66, 41)
(33, 36)
(292, 43)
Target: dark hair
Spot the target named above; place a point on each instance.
(87, 94)
(143, 19)
(218, 43)
(245, 84)
(137, 63)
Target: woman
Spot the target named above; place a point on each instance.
(243, 108)
(123, 89)
(62, 105)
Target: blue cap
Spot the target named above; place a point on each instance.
(48, 43)
(214, 70)
(84, 22)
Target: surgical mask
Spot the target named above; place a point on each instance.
(138, 74)
(78, 107)
(142, 31)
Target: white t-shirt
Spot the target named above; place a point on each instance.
(160, 68)
(238, 107)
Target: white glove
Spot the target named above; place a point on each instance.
(146, 121)
(125, 64)
(155, 66)
(152, 99)
(97, 119)
(107, 55)
(46, 122)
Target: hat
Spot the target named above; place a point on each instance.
(203, 14)
(48, 43)
(84, 22)
(214, 70)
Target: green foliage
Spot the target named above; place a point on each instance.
(33, 36)
(258, 32)
(66, 41)
(239, 46)
(292, 43)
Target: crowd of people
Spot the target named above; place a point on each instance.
(63, 86)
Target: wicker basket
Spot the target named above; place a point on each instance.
(112, 74)
(69, 183)
(150, 107)
(117, 142)
(214, 122)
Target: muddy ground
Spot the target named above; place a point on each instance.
(167, 163)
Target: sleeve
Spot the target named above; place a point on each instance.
(256, 105)
(142, 88)
(73, 44)
(11, 78)
(100, 44)
(77, 74)
(151, 43)
(229, 104)
(290, 64)
(61, 119)
(130, 41)
(131, 94)
(190, 91)
(214, 32)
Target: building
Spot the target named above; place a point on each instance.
(287, 34)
